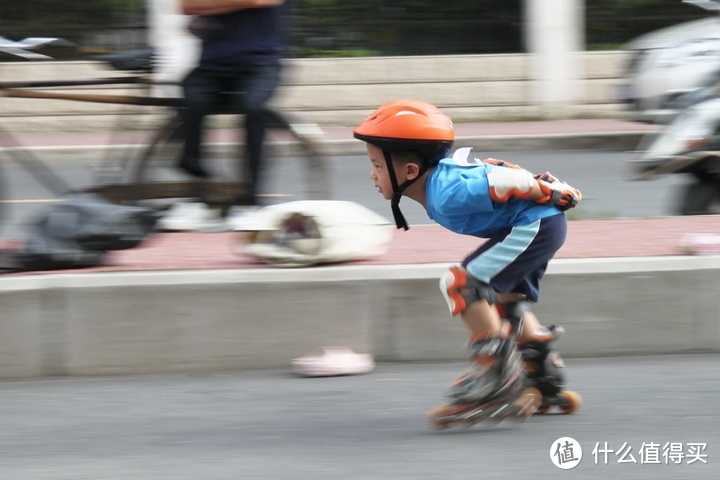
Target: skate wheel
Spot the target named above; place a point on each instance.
(543, 409)
(435, 415)
(569, 401)
(529, 402)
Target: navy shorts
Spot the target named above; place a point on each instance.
(514, 259)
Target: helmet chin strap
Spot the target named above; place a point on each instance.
(400, 221)
(399, 189)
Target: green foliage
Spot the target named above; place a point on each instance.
(409, 27)
(373, 27)
(619, 21)
(65, 19)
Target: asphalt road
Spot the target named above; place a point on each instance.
(273, 425)
(602, 175)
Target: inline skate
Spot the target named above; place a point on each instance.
(492, 389)
(545, 370)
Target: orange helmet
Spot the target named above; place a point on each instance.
(409, 125)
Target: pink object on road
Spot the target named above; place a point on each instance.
(333, 361)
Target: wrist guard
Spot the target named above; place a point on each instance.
(557, 193)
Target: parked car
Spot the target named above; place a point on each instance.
(667, 64)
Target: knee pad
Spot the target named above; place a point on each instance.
(460, 289)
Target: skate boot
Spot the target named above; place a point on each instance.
(545, 370)
(492, 389)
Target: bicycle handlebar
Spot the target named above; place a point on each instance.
(93, 98)
(80, 82)
(18, 90)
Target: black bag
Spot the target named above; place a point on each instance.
(77, 232)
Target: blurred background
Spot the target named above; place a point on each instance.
(67, 411)
(330, 28)
(643, 60)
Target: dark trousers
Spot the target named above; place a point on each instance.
(244, 88)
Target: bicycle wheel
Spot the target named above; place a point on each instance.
(16, 158)
(293, 165)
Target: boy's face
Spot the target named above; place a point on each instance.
(379, 173)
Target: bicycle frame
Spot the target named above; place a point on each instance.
(221, 193)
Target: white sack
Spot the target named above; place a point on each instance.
(310, 232)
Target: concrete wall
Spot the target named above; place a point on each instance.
(340, 91)
(158, 322)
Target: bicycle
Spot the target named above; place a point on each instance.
(151, 176)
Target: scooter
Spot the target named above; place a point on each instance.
(689, 145)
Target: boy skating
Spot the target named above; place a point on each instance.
(409, 146)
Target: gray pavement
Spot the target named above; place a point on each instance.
(271, 424)
(84, 158)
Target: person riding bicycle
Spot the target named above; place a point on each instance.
(242, 44)
(409, 146)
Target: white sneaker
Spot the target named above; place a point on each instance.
(244, 219)
(192, 217)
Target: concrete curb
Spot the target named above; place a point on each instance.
(192, 321)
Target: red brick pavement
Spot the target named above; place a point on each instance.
(424, 244)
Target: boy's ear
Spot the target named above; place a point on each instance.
(412, 170)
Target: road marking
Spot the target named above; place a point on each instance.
(32, 200)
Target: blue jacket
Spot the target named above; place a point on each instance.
(458, 198)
